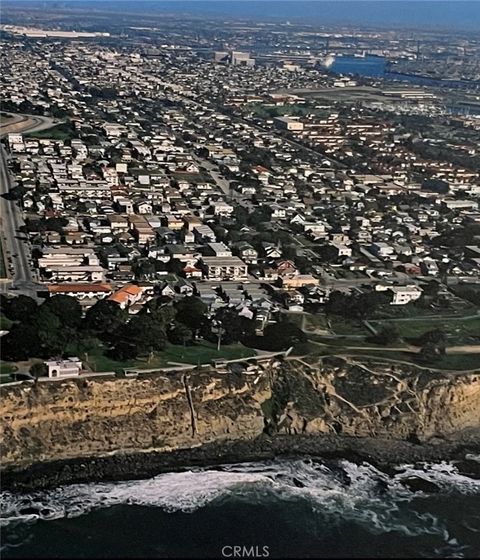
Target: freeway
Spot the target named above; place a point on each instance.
(17, 250)
(25, 123)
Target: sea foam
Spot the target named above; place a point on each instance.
(340, 490)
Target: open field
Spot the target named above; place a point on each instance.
(452, 362)
(5, 323)
(343, 326)
(6, 368)
(202, 353)
(96, 360)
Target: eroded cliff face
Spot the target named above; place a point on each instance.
(372, 399)
(87, 417)
(98, 416)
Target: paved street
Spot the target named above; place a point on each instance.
(17, 250)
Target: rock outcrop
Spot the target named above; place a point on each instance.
(92, 417)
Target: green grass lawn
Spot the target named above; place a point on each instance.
(345, 326)
(5, 323)
(202, 353)
(457, 329)
(98, 361)
(6, 368)
(454, 362)
(313, 322)
(460, 361)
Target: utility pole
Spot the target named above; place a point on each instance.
(220, 331)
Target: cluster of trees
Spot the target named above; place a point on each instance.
(458, 237)
(355, 305)
(279, 336)
(385, 336)
(40, 330)
(470, 292)
(445, 154)
(57, 327)
(432, 345)
(46, 224)
(145, 267)
(103, 93)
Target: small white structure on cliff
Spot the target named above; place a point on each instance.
(70, 367)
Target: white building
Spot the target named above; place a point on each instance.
(288, 123)
(382, 249)
(70, 367)
(224, 268)
(405, 294)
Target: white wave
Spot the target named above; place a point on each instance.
(185, 491)
(444, 475)
(345, 490)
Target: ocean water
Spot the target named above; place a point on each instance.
(376, 67)
(440, 14)
(370, 66)
(282, 508)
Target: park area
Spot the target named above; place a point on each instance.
(97, 360)
(336, 335)
(202, 352)
(459, 330)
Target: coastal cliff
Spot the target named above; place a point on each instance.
(165, 412)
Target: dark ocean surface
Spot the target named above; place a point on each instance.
(295, 508)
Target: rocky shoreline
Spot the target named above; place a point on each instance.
(464, 448)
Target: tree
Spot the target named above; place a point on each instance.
(39, 369)
(124, 351)
(240, 215)
(51, 334)
(429, 353)
(19, 308)
(21, 343)
(16, 193)
(355, 306)
(435, 336)
(180, 334)
(105, 318)
(144, 332)
(66, 308)
(175, 266)
(282, 335)
(338, 304)
(235, 328)
(160, 311)
(191, 311)
(387, 335)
